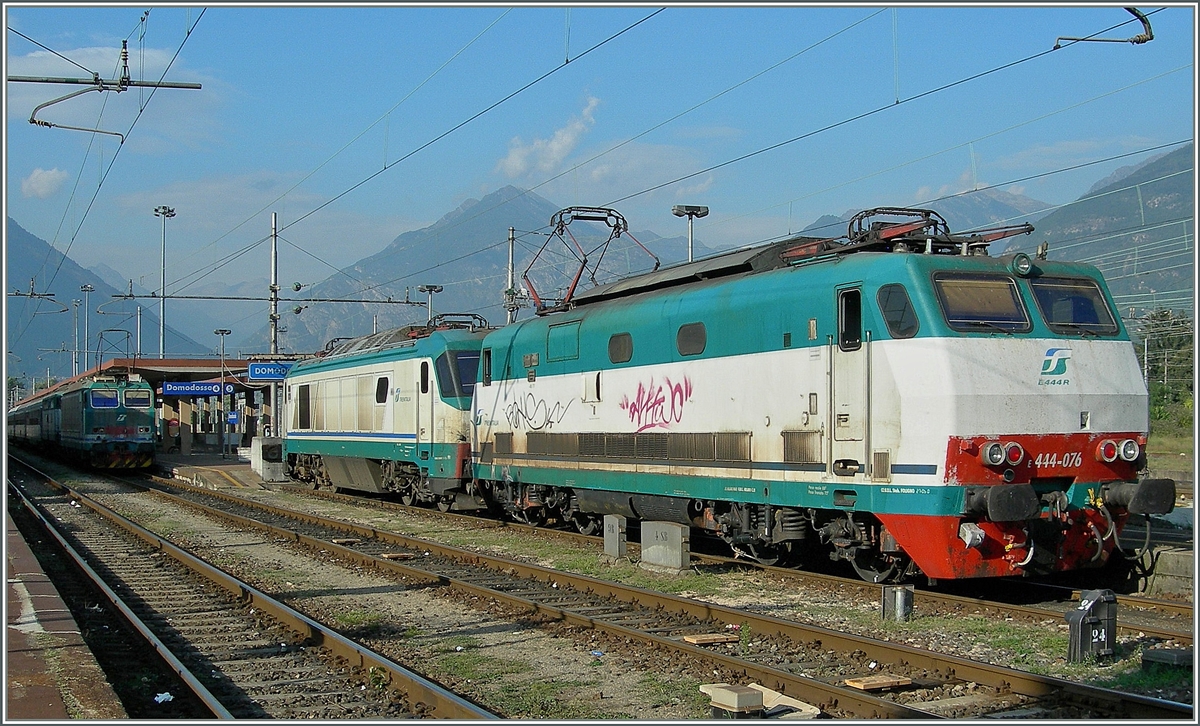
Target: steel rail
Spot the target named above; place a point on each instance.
(1000, 677)
(921, 598)
(164, 653)
(810, 690)
(425, 696)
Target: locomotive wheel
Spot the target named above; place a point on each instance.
(874, 567)
(408, 497)
(772, 555)
(585, 524)
(444, 505)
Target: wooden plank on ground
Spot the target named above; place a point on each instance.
(710, 638)
(878, 682)
(398, 556)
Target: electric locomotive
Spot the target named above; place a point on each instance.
(896, 398)
(103, 421)
(389, 412)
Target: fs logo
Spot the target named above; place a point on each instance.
(1054, 367)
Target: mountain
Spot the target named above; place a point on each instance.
(41, 330)
(1139, 230)
(466, 252)
(1121, 173)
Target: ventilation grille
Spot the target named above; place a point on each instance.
(802, 447)
(504, 443)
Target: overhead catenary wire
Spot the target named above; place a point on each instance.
(461, 124)
(358, 136)
(112, 162)
(811, 133)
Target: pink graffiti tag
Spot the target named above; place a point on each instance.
(657, 406)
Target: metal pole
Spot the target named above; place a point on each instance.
(511, 294)
(274, 319)
(690, 218)
(162, 294)
(75, 324)
(1146, 360)
(166, 213)
(87, 306)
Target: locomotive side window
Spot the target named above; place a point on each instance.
(303, 411)
(850, 319)
(981, 302)
(897, 311)
(620, 348)
(424, 376)
(104, 398)
(138, 398)
(381, 390)
(691, 339)
(467, 363)
(485, 366)
(1073, 305)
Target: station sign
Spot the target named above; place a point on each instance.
(268, 371)
(193, 388)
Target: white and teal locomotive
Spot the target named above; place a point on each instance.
(896, 398)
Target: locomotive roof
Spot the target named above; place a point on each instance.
(882, 229)
(754, 259)
(409, 336)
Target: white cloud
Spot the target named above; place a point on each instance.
(42, 183)
(547, 155)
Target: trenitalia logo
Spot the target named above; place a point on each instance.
(1054, 366)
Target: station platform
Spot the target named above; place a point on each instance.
(51, 673)
(211, 470)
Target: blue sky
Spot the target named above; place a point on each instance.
(300, 105)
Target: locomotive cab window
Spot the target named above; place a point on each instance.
(381, 390)
(1073, 306)
(850, 319)
(691, 339)
(485, 367)
(981, 303)
(137, 398)
(897, 311)
(104, 398)
(424, 376)
(620, 348)
(456, 373)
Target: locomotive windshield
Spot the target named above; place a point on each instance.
(104, 398)
(137, 398)
(981, 302)
(456, 372)
(1073, 305)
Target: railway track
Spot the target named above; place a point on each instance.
(1162, 619)
(802, 661)
(240, 652)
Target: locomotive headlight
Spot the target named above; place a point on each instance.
(1130, 449)
(1107, 451)
(1021, 264)
(1013, 453)
(992, 454)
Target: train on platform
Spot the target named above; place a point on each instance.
(897, 399)
(105, 421)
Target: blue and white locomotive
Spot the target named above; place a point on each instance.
(388, 412)
(105, 421)
(896, 398)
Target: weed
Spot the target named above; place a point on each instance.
(474, 666)
(356, 618)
